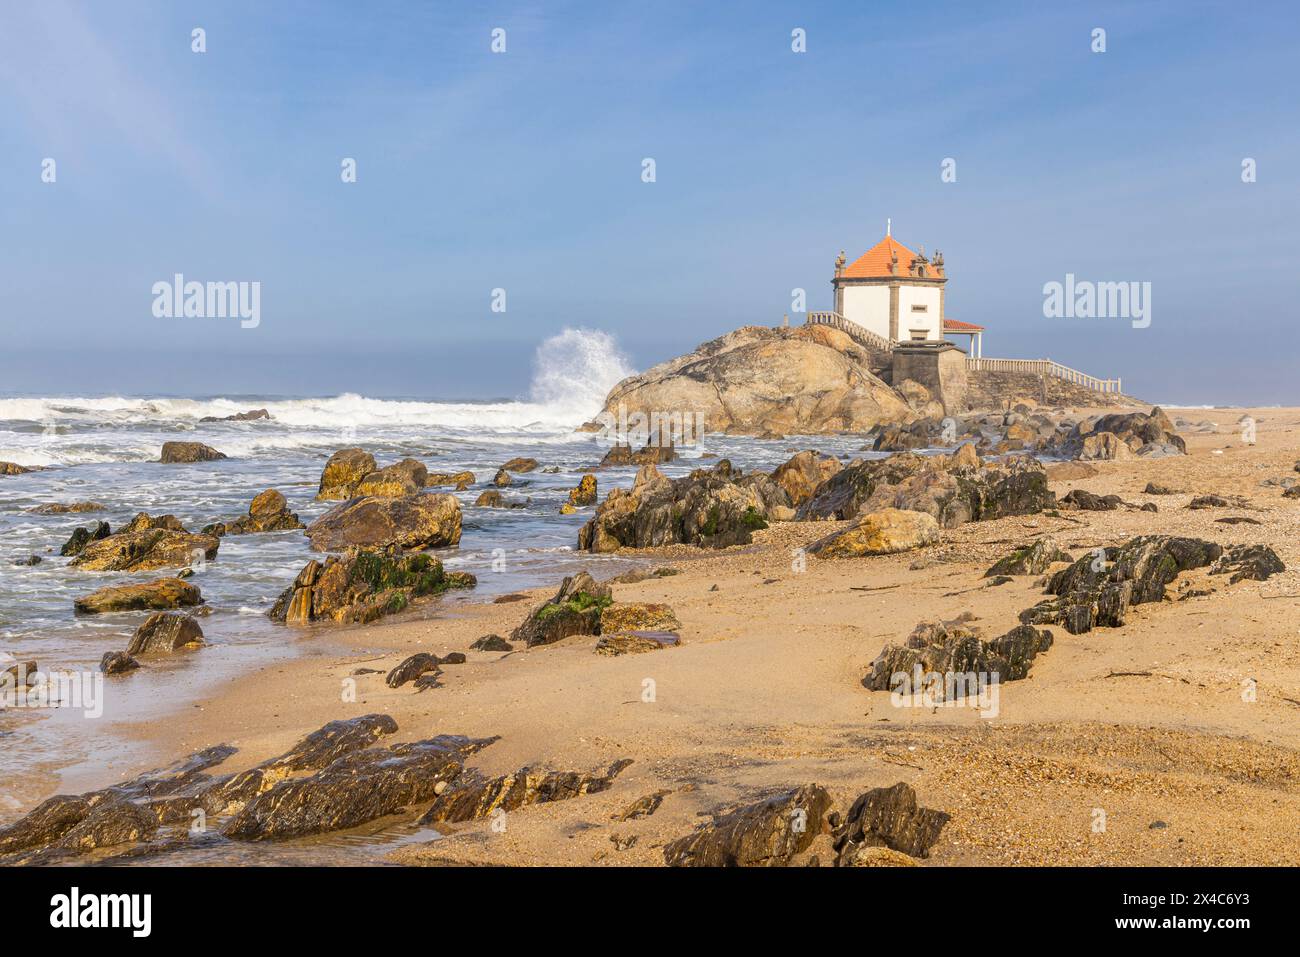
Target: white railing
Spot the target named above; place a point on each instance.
(850, 328)
(1045, 367)
(1039, 367)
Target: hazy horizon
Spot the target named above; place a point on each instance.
(522, 171)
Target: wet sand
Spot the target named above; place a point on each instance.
(1145, 724)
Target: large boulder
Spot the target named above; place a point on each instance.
(164, 632)
(952, 489)
(801, 475)
(879, 533)
(394, 481)
(574, 610)
(147, 596)
(83, 536)
(710, 507)
(343, 473)
(362, 586)
(424, 520)
(184, 452)
(758, 379)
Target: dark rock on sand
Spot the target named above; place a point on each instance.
(1089, 502)
(958, 653)
(161, 594)
(764, 834)
(889, 817)
(473, 795)
(1098, 589)
(1248, 562)
(425, 520)
(165, 632)
(642, 806)
(1155, 488)
(1033, 560)
(1120, 435)
(413, 667)
(82, 536)
(354, 789)
(185, 452)
(363, 585)
(492, 643)
(117, 662)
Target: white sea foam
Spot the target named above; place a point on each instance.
(573, 371)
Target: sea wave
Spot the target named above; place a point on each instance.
(573, 371)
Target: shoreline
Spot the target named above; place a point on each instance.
(764, 692)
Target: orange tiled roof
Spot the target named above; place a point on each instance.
(874, 263)
(956, 325)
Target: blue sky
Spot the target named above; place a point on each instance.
(522, 171)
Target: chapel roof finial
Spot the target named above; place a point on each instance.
(889, 225)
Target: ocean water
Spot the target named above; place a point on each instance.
(105, 449)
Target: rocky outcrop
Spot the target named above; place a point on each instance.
(1120, 435)
(1031, 560)
(585, 493)
(363, 585)
(157, 595)
(165, 632)
(520, 465)
(1098, 589)
(82, 536)
(802, 474)
(710, 507)
(62, 508)
(12, 468)
(137, 548)
(268, 512)
(953, 489)
(185, 452)
(343, 473)
(461, 480)
(253, 415)
(757, 379)
(393, 481)
(472, 795)
(1248, 562)
(622, 456)
(424, 520)
(879, 533)
(945, 660)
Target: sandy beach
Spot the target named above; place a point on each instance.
(1144, 726)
